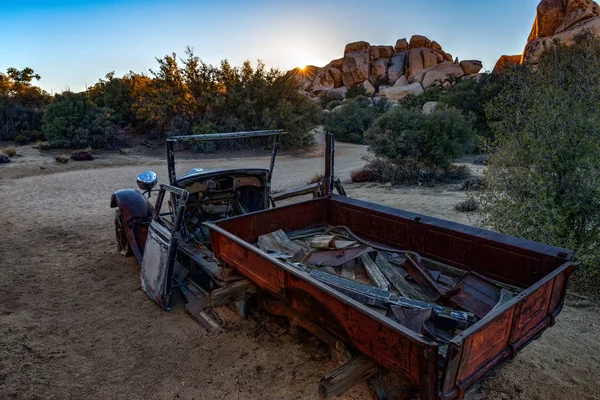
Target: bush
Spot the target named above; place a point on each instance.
(33, 136)
(10, 151)
(544, 173)
(73, 120)
(21, 140)
(82, 155)
(62, 159)
(43, 146)
(362, 175)
(474, 183)
(355, 91)
(326, 98)
(333, 104)
(410, 172)
(350, 122)
(433, 140)
(469, 205)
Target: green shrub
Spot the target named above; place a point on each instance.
(350, 121)
(21, 140)
(328, 97)
(355, 91)
(333, 104)
(544, 173)
(33, 136)
(73, 120)
(433, 140)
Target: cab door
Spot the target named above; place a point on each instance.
(162, 244)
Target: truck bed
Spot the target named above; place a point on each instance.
(541, 270)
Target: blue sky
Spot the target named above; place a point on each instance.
(72, 44)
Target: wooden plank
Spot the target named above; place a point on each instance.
(374, 273)
(231, 293)
(396, 279)
(355, 371)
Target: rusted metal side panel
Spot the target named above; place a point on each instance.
(505, 258)
(492, 341)
(386, 342)
(261, 272)
(289, 218)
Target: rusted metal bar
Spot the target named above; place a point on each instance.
(329, 164)
(225, 136)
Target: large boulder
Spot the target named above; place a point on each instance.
(357, 63)
(400, 92)
(535, 48)
(471, 66)
(429, 58)
(369, 88)
(415, 61)
(382, 51)
(337, 63)
(379, 71)
(429, 107)
(336, 75)
(419, 41)
(560, 21)
(401, 45)
(323, 82)
(441, 74)
(577, 11)
(550, 14)
(397, 67)
(402, 81)
(505, 62)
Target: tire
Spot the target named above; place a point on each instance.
(123, 246)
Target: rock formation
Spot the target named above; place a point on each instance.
(556, 21)
(392, 71)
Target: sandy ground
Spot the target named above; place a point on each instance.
(74, 323)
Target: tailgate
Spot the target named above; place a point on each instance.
(498, 338)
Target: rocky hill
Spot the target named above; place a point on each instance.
(390, 71)
(556, 21)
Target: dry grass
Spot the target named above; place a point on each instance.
(10, 151)
(362, 175)
(469, 205)
(82, 155)
(43, 146)
(317, 177)
(63, 159)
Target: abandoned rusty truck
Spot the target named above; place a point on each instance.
(438, 303)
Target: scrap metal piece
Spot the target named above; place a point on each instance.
(475, 294)
(374, 273)
(417, 320)
(366, 294)
(332, 258)
(373, 296)
(277, 241)
(421, 275)
(444, 316)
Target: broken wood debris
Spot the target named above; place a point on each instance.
(428, 297)
(355, 371)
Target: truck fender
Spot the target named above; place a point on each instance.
(136, 212)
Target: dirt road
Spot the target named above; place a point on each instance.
(74, 323)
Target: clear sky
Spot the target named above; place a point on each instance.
(73, 43)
